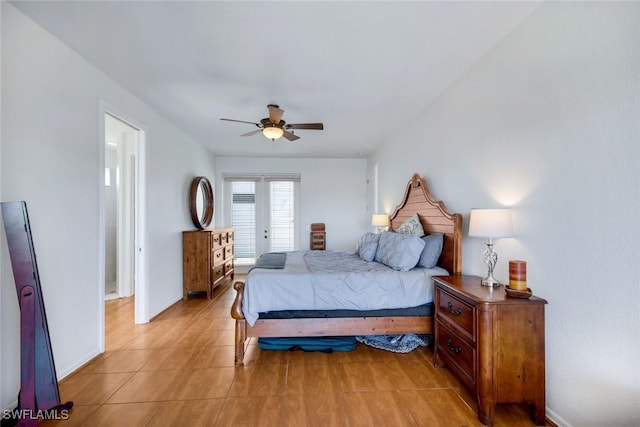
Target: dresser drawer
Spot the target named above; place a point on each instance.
(457, 312)
(228, 252)
(216, 240)
(218, 272)
(228, 267)
(456, 353)
(218, 256)
(230, 237)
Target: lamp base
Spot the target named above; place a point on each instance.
(490, 282)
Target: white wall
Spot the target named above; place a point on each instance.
(548, 123)
(332, 191)
(50, 155)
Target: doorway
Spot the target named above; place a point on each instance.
(264, 212)
(121, 151)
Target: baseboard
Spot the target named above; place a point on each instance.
(556, 420)
(162, 310)
(84, 362)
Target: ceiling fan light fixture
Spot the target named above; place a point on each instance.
(272, 132)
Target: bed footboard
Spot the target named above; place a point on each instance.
(319, 327)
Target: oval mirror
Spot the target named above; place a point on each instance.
(201, 202)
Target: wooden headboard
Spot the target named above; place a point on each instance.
(435, 218)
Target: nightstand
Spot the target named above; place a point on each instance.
(493, 343)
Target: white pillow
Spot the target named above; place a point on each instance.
(399, 251)
(411, 226)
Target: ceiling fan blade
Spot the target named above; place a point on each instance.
(290, 136)
(312, 126)
(275, 113)
(242, 121)
(253, 132)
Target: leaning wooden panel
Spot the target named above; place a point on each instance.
(435, 218)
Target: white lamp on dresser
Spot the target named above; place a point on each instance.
(492, 224)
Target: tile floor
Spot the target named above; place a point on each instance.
(178, 370)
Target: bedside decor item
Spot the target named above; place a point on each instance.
(492, 224)
(518, 275)
(518, 293)
(201, 202)
(380, 222)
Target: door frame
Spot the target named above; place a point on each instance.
(141, 310)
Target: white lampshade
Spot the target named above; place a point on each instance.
(492, 223)
(380, 220)
(272, 132)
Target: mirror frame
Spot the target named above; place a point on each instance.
(204, 221)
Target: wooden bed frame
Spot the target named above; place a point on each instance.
(434, 218)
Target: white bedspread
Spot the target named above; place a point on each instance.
(329, 280)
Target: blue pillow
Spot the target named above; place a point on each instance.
(367, 246)
(432, 250)
(368, 251)
(399, 251)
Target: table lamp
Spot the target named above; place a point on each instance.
(492, 224)
(380, 221)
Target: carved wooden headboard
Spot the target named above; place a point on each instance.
(435, 218)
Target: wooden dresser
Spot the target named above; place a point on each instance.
(207, 260)
(492, 342)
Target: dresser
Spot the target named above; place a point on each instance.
(207, 260)
(493, 343)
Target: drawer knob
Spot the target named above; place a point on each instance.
(456, 312)
(453, 348)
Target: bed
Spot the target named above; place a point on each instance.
(409, 318)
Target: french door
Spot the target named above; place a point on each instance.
(264, 214)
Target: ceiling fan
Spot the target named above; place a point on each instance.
(273, 127)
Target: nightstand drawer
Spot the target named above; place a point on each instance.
(458, 313)
(457, 354)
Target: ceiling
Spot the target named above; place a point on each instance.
(364, 69)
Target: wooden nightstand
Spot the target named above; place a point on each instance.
(493, 343)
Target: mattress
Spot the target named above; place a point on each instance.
(332, 280)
